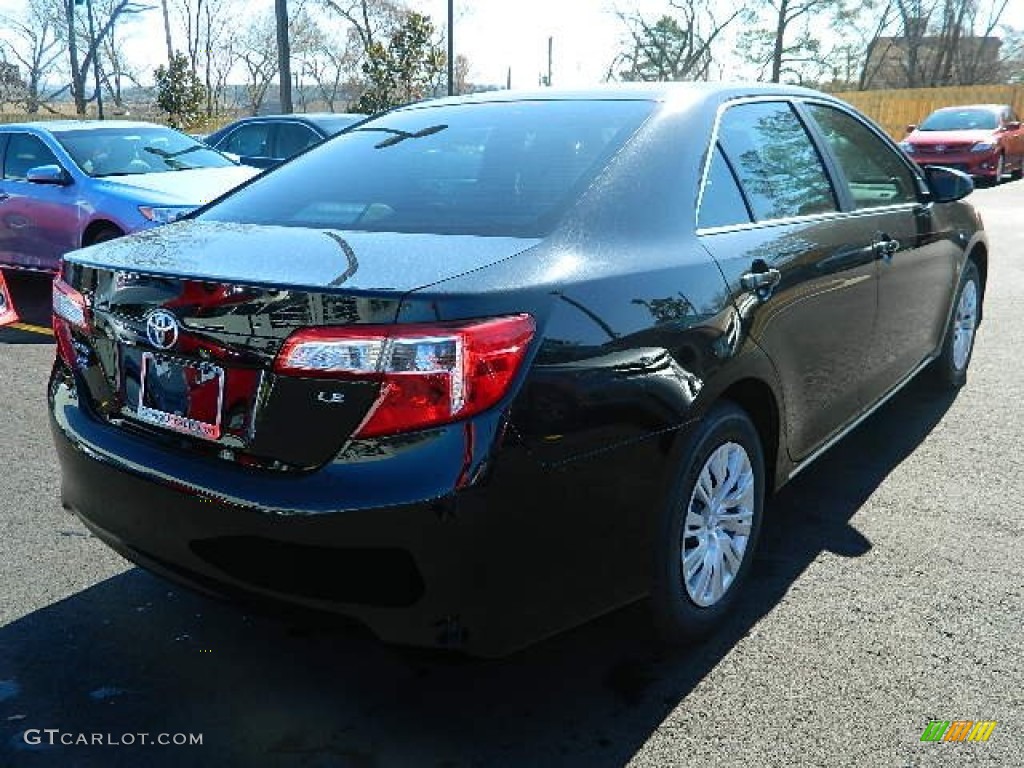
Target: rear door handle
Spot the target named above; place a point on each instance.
(4, 196)
(885, 247)
(762, 281)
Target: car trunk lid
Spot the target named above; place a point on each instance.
(185, 323)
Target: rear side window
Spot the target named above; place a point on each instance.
(776, 162)
(292, 138)
(875, 174)
(477, 169)
(25, 152)
(721, 203)
(248, 141)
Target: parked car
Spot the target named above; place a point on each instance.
(265, 141)
(67, 184)
(484, 368)
(984, 140)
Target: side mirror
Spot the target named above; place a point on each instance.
(911, 128)
(48, 174)
(948, 184)
(1013, 125)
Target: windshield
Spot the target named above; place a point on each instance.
(481, 169)
(960, 120)
(132, 151)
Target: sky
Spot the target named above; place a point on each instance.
(493, 34)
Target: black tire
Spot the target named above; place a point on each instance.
(676, 615)
(104, 234)
(948, 370)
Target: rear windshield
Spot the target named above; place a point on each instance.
(960, 120)
(507, 169)
(132, 151)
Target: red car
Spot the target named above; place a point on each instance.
(984, 140)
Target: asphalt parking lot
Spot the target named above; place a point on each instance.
(888, 593)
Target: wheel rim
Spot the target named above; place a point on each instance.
(1000, 167)
(964, 323)
(716, 531)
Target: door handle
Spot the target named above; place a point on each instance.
(885, 247)
(4, 196)
(762, 281)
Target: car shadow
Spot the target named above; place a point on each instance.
(133, 654)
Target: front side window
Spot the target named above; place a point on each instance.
(292, 138)
(875, 174)
(131, 151)
(496, 168)
(775, 161)
(252, 140)
(25, 152)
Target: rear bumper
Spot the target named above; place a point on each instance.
(486, 569)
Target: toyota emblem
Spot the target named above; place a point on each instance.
(162, 329)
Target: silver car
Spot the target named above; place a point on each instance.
(68, 184)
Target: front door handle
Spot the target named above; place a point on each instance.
(885, 247)
(4, 196)
(762, 281)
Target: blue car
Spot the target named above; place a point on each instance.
(267, 140)
(68, 184)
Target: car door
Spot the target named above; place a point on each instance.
(290, 138)
(915, 260)
(800, 274)
(252, 143)
(39, 223)
(1013, 139)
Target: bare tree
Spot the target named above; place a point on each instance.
(672, 47)
(35, 43)
(462, 84)
(332, 65)
(76, 35)
(257, 52)
(209, 28)
(370, 21)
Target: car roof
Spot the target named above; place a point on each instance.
(990, 107)
(79, 125)
(660, 92)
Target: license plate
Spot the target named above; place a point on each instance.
(181, 396)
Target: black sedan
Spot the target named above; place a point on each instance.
(265, 141)
(484, 368)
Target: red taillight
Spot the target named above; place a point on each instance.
(429, 374)
(70, 305)
(70, 309)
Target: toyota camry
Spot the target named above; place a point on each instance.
(485, 368)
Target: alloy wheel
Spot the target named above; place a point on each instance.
(718, 523)
(964, 324)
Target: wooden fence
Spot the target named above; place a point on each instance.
(896, 109)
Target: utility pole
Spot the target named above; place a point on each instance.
(167, 33)
(508, 80)
(550, 43)
(284, 55)
(451, 47)
(95, 60)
